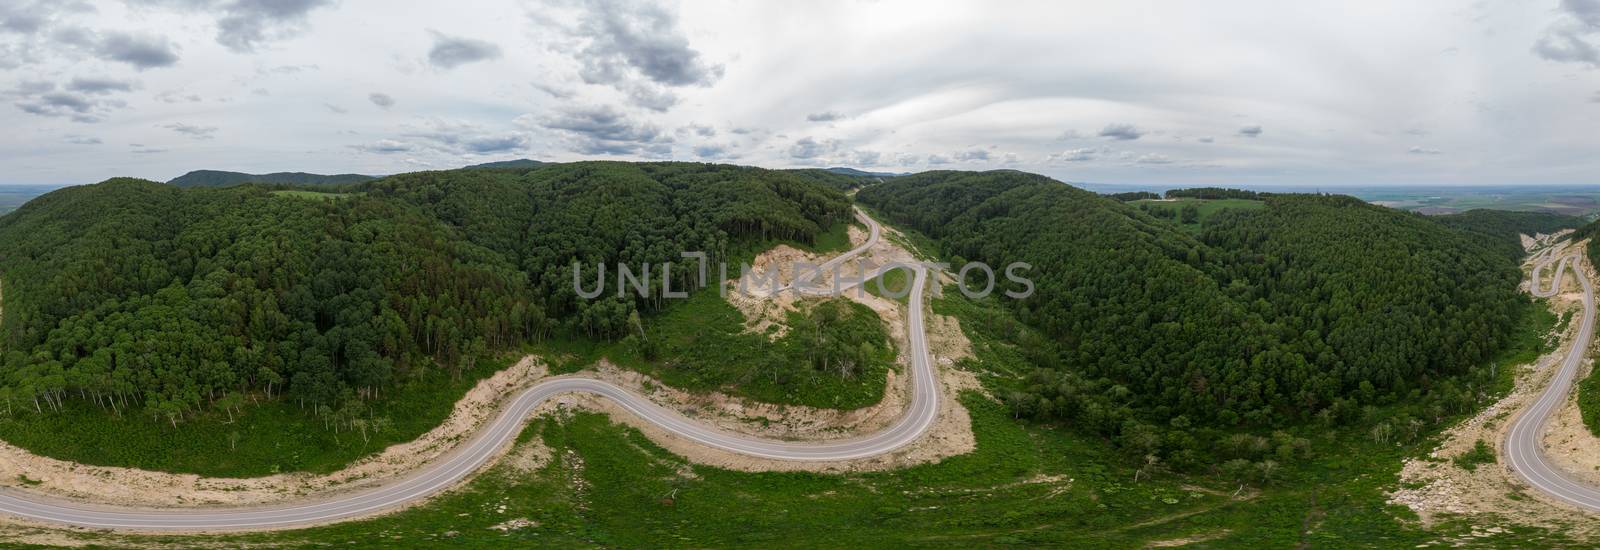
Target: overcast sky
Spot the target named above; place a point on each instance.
(1245, 92)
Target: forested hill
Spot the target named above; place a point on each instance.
(505, 164)
(1311, 304)
(1504, 228)
(217, 178)
(137, 294)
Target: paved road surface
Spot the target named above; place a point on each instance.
(500, 432)
(1524, 452)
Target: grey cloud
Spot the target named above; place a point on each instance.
(825, 116)
(34, 87)
(384, 147)
(555, 91)
(82, 140)
(605, 130)
(21, 22)
(1595, 98)
(809, 148)
(714, 151)
(1125, 132)
(865, 157)
(335, 109)
(495, 144)
(1079, 155)
(907, 159)
(99, 86)
(381, 99)
(288, 69)
(77, 37)
(172, 96)
(934, 160)
(1206, 139)
(1070, 135)
(1250, 131)
(973, 155)
(1153, 158)
(650, 97)
(78, 107)
(639, 38)
(637, 48)
(196, 132)
(1424, 151)
(143, 51)
(1575, 36)
(462, 138)
(449, 52)
(27, 18)
(247, 24)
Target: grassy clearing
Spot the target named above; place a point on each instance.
(265, 438)
(1204, 209)
(897, 283)
(700, 344)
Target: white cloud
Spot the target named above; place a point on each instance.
(693, 80)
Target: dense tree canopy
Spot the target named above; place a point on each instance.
(1215, 193)
(1314, 303)
(137, 294)
(1503, 228)
(1130, 196)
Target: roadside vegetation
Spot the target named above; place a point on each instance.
(254, 439)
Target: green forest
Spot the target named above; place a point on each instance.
(144, 298)
(1175, 345)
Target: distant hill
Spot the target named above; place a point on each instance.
(218, 178)
(864, 173)
(1504, 228)
(519, 163)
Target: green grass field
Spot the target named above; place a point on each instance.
(701, 345)
(1205, 209)
(897, 283)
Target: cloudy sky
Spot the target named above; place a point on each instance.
(1243, 92)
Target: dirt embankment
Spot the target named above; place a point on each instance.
(1437, 489)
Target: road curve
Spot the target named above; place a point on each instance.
(500, 432)
(1524, 450)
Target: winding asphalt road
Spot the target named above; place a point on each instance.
(500, 432)
(1524, 450)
